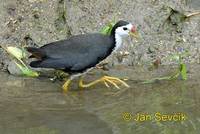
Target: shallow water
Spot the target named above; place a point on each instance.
(30, 106)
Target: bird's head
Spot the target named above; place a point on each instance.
(124, 28)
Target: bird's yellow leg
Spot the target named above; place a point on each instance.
(106, 79)
(65, 86)
(81, 85)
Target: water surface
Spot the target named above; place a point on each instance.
(36, 105)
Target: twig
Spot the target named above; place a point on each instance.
(193, 14)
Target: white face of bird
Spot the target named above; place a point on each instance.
(126, 30)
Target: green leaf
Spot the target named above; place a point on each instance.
(183, 70)
(27, 71)
(19, 54)
(16, 52)
(107, 29)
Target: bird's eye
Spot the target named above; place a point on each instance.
(125, 28)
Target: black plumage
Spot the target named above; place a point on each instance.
(76, 54)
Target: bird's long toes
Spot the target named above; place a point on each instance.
(113, 83)
(106, 84)
(119, 81)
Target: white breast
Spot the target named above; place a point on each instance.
(118, 42)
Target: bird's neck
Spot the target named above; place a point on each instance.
(118, 41)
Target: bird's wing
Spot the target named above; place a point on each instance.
(76, 53)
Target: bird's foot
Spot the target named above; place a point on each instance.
(65, 86)
(106, 80)
(114, 81)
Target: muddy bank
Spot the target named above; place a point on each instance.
(163, 26)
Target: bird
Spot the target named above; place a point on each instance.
(79, 54)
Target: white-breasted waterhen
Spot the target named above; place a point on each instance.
(80, 53)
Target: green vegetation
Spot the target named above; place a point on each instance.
(107, 29)
(181, 71)
(19, 55)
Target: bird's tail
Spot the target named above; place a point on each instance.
(36, 52)
(35, 64)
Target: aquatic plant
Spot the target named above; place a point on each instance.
(19, 54)
(181, 71)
